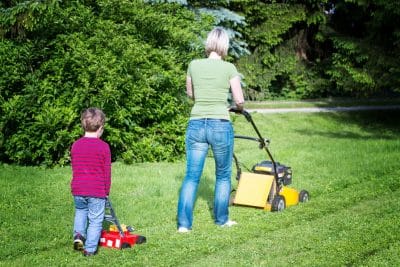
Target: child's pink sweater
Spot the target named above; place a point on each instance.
(91, 167)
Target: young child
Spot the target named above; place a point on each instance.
(91, 181)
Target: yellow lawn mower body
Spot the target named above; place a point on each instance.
(266, 186)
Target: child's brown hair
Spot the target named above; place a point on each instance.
(92, 119)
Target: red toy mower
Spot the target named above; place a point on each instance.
(118, 236)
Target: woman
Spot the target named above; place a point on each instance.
(208, 82)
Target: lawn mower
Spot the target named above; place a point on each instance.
(118, 235)
(265, 186)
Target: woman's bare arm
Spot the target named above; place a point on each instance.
(237, 92)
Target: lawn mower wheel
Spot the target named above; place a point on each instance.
(278, 203)
(304, 196)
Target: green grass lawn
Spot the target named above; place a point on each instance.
(349, 162)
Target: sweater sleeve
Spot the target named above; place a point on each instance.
(107, 170)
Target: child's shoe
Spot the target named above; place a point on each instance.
(79, 242)
(89, 254)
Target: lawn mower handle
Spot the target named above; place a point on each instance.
(263, 142)
(241, 111)
(112, 218)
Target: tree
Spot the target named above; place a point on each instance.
(365, 37)
(220, 15)
(306, 49)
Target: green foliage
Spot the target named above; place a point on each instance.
(348, 72)
(128, 58)
(365, 47)
(271, 69)
(23, 17)
(305, 49)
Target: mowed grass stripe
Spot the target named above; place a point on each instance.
(344, 237)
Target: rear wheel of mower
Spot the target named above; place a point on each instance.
(304, 196)
(232, 197)
(125, 245)
(141, 239)
(278, 203)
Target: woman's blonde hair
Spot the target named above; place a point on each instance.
(92, 119)
(218, 42)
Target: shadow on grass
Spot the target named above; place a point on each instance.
(349, 102)
(205, 190)
(378, 124)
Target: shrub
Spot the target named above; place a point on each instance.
(128, 58)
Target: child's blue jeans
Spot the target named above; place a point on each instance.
(88, 222)
(200, 134)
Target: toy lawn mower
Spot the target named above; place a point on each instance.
(118, 235)
(266, 185)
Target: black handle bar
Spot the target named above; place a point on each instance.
(263, 142)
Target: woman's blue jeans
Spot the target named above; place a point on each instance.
(200, 134)
(92, 209)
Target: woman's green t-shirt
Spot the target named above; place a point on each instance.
(210, 80)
